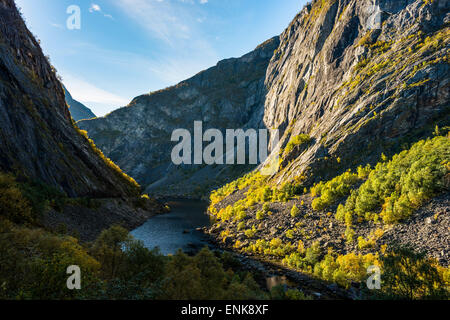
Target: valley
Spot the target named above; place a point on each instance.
(352, 185)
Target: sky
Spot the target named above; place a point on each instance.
(126, 48)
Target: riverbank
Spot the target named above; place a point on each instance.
(271, 273)
(187, 227)
(87, 218)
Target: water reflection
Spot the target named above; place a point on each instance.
(176, 229)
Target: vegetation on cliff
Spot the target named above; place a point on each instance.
(384, 195)
(395, 189)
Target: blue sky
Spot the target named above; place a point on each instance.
(126, 48)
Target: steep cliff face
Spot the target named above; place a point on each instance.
(358, 77)
(359, 80)
(138, 137)
(348, 83)
(38, 140)
(78, 111)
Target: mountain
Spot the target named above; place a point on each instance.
(78, 110)
(357, 91)
(360, 95)
(44, 150)
(138, 137)
(37, 137)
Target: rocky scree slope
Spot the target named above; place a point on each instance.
(138, 137)
(78, 110)
(342, 94)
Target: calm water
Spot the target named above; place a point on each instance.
(176, 229)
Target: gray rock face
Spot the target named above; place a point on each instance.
(358, 79)
(38, 140)
(138, 137)
(355, 90)
(78, 110)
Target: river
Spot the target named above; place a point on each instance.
(177, 229)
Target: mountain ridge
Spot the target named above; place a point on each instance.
(350, 75)
(78, 110)
(321, 90)
(47, 147)
(137, 137)
(364, 120)
(46, 161)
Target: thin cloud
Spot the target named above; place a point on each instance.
(86, 92)
(57, 25)
(186, 49)
(96, 8)
(165, 20)
(160, 18)
(169, 70)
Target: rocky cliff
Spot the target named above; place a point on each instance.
(77, 110)
(38, 140)
(138, 137)
(359, 79)
(349, 82)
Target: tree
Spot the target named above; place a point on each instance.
(13, 205)
(108, 249)
(295, 211)
(410, 275)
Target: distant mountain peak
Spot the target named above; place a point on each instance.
(78, 110)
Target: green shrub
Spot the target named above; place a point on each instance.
(344, 269)
(108, 250)
(295, 212)
(241, 225)
(312, 254)
(396, 188)
(13, 205)
(290, 234)
(410, 275)
(300, 140)
(328, 193)
(34, 264)
(280, 293)
(295, 294)
(260, 215)
(203, 278)
(250, 233)
(115, 266)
